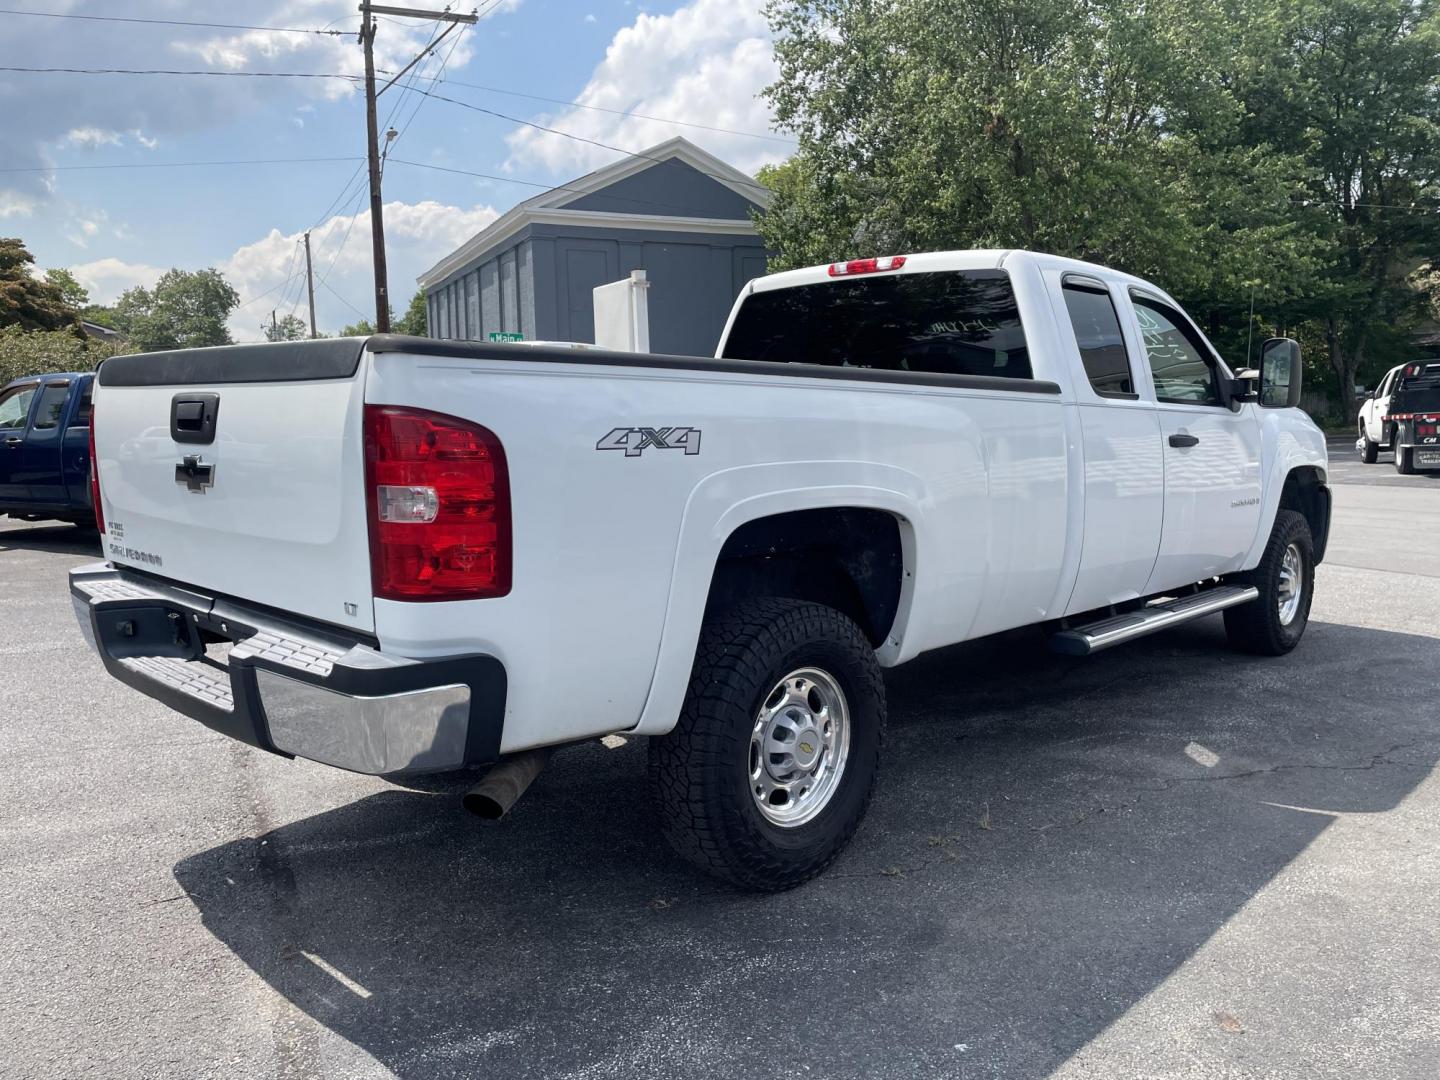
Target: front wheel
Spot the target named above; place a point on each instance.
(1273, 623)
(770, 768)
(1369, 450)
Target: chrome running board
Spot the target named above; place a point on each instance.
(1160, 615)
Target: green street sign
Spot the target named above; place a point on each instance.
(506, 335)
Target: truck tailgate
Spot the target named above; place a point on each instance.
(270, 508)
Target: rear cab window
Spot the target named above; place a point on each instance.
(955, 322)
(1100, 340)
(52, 406)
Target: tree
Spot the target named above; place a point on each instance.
(185, 310)
(1360, 105)
(72, 293)
(25, 300)
(416, 319)
(36, 352)
(364, 327)
(290, 328)
(1237, 151)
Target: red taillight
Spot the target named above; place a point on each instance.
(95, 476)
(1425, 430)
(439, 500)
(866, 266)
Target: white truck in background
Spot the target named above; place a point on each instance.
(425, 555)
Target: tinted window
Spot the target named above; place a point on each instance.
(82, 412)
(52, 405)
(952, 323)
(15, 408)
(1182, 369)
(1102, 348)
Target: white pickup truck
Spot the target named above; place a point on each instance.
(400, 555)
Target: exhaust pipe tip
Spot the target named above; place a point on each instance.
(502, 786)
(483, 805)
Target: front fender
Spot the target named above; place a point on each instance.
(1290, 441)
(726, 500)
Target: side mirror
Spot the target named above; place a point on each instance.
(1280, 373)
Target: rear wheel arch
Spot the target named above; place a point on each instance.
(850, 558)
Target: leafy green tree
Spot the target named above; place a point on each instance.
(185, 310)
(72, 293)
(25, 300)
(1360, 105)
(415, 321)
(290, 328)
(1237, 151)
(363, 328)
(36, 352)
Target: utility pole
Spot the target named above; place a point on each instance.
(372, 134)
(274, 327)
(310, 284)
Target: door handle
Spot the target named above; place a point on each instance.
(13, 440)
(1184, 440)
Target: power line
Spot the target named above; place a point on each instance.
(177, 164)
(618, 112)
(174, 71)
(357, 79)
(169, 22)
(545, 187)
(571, 135)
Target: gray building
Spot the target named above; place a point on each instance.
(675, 211)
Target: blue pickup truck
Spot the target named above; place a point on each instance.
(45, 448)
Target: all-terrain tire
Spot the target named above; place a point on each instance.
(1257, 627)
(700, 772)
(1369, 451)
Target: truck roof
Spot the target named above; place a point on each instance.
(972, 259)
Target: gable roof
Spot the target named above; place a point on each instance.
(553, 206)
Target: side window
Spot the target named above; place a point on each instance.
(1385, 385)
(15, 408)
(1102, 346)
(1183, 371)
(82, 412)
(52, 406)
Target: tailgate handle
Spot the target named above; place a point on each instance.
(192, 418)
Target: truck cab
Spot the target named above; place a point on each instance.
(44, 448)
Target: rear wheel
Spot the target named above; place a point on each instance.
(1368, 450)
(1273, 623)
(1405, 460)
(770, 768)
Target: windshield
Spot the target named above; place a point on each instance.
(954, 323)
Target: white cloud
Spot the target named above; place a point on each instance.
(91, 138)
(13, 204)
(107, 278)
(144, 140)
(705, 63)
(590, 18)
(417, 235)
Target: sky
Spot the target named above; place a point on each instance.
(688, 67)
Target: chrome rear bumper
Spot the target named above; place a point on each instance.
(294, 689)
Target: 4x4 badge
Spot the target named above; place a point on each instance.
(635, 440)
(195, 474)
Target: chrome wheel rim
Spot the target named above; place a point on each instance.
(1292, 585)
(798, 747)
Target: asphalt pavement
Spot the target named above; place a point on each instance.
(1168, 860)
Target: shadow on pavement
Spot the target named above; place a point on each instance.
(49, 536)
(1050, 840)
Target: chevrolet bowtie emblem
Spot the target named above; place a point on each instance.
(806, 748)
(195, 475)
